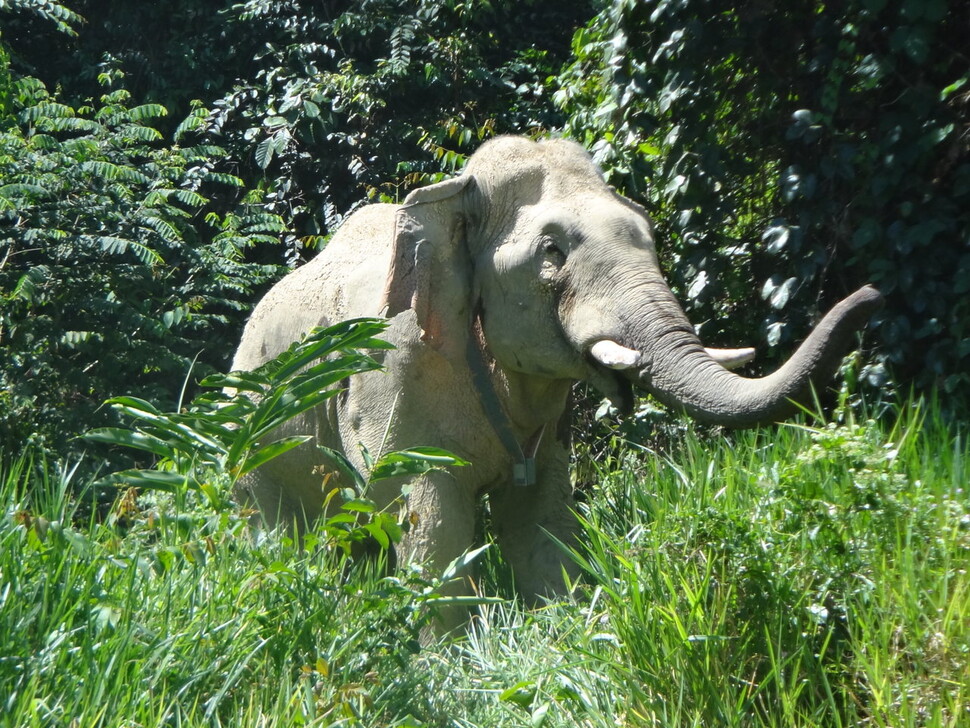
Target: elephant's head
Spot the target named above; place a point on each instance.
(565, 277)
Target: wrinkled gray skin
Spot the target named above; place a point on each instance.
(555, 261)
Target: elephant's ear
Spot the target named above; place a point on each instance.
(430, 268)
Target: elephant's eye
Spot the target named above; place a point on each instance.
(553, 251)
(553, 258)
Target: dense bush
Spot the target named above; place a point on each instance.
(325, 105)
(122, 259)
(794, 151)
(796, 578)
(173, 51)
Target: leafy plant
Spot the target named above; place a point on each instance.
(799, 577)
(785, 560)
(224, 431)
(154, 614)
(59, 15)
(121, 259)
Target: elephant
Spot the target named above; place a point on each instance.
(502, 287)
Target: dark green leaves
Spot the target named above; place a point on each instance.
(61, 17)
(122, 260)
(369, 100)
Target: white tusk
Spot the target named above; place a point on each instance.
(731, 358)
(612, 355)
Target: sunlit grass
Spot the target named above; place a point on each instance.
(793, 576)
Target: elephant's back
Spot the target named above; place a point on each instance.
(345, 280)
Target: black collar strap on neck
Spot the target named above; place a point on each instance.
(524, 460)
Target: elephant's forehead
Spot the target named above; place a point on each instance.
(587, 217)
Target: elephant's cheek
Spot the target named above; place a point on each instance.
(529, 340)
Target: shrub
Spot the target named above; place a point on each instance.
(122, 258)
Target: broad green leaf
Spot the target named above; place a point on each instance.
(264, 152)
(105, 170)
(191, 440)
(273, 450)
(521, 694)
(149, 480)
(378, 534)
(190, 123)
(69, 124)
(244, 381)
(143, 134)
(73, 339)
(343, 467)
(459, 565)
(319, 343)
(131, 438)
(164, 228)
(415, 461)
(224, 178)
(134, 404)
(359, 505)
(173, 317)
(27, 286)
(147, 111)
(341, 518)
(190, 198)
(264, 423)
(389, 525)
(46, 109)
(119, 246)
(19, 190)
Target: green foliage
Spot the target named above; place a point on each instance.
(787, 563)
(813, 577)
(806, 578)
(322, 106)
(222, 434)
(121, 259)
(144, 575)
(60, 16)
(788, 153)
(372, 99)
(160, 615)
(174, 51)
(796, 151)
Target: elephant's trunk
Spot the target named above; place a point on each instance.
(675, 367)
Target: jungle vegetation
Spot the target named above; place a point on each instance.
(162, 164)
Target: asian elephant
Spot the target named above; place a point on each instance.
(503, 287)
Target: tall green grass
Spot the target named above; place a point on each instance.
(793, 576)
(147, 616)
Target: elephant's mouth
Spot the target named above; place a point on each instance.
(609, 379)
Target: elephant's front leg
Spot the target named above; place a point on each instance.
(442, 512)
(528, 520)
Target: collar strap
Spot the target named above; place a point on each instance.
(524, 467)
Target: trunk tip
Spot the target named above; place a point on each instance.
(867, 297)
